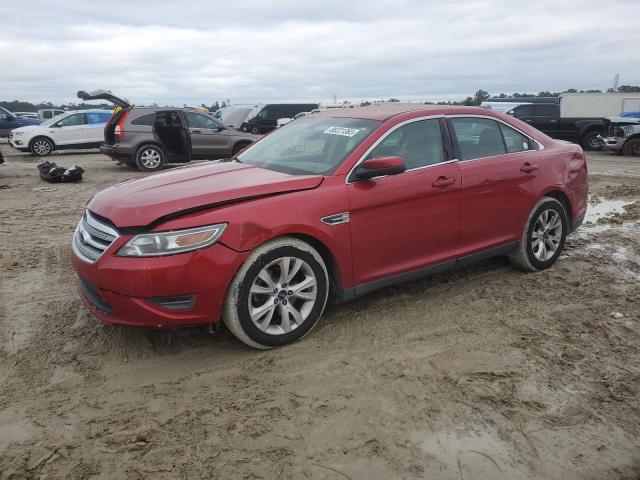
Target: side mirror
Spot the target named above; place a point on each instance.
(220, 128)
(377, 167)
(11, 118)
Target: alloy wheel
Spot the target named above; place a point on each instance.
(42, 147)
(150, 158)
(282, 295)
(546, 235)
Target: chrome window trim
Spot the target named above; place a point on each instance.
(387, 133)
(486, 117)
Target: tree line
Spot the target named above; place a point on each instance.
(479, 97)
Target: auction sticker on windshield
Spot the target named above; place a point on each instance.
(345, 132)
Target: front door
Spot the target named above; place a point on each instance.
(70, 130)
(406, 222)
(499, 167)
(209, 139)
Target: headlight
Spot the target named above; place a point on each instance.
(627, 130)
(17, 134)
(168, 243)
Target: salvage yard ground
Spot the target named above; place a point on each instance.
(480, 373)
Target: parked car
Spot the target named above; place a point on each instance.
(26, 115)
(8, 122)
(236, 116)
(49, 113)
(150, 137)
(622, 135)
(266, 119)
(577, 117)
(73, 129)
(336, 204)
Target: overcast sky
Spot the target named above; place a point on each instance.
(258, 50)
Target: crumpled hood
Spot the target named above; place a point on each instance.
(139, 203)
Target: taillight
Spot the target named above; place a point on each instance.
(119, 130)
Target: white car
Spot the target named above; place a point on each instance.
(75, 129)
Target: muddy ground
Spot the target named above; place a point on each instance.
(480, 373)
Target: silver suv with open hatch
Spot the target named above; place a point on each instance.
(150, 137)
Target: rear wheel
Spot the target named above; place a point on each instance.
(278, 295)
(632, 148)
(590, 141)
(150, 158)
(238, 147)
(543, 237)
(41, 146)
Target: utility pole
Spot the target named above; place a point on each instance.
(616, 81)
(335, 99)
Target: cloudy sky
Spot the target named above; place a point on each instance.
(258, 50)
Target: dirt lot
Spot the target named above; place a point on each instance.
(481, 373)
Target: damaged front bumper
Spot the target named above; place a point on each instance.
(614, 144)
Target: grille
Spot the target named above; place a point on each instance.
(92, 237)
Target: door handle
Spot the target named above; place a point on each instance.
(442, 182)
(196, 131)
(528, 168)
(528, 120)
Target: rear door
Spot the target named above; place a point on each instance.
(170, 129)
(209, 139)
(407, 222)
(95, 126)
(499, 168)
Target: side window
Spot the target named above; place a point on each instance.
(418, 143)
(3, 115)
(523, 111)
(515, 141)
(72, 120)
(47, 114)
(197, 120)
(97, 117)
(144, 120)
(478, 137)
(263, 113)
(546, 110)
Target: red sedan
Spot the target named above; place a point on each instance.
(335, 204)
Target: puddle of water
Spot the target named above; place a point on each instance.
(605, 208)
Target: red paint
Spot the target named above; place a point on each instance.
(398, 223)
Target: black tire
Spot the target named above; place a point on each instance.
(236, 314)
(255, 130)
(590, 141)
(41, 146)
(525, 256)
(150, 158)
(631, 148)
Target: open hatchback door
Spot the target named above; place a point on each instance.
(104, 95)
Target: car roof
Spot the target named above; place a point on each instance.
(385, 112)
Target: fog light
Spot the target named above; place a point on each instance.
(180, 303)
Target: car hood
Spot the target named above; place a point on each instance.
(145, 201)
(27, 128)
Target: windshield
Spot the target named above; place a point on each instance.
(49, 122)
(309, 146)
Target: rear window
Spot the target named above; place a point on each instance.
(478, 137)
(144, 120)
(98, 117)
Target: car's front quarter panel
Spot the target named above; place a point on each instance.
(255, 221)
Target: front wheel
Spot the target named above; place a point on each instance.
(255, 130)
(150, 158)
(591, 141)
(278, 295)
(41, 147)
(632, 148)
(543, 238)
